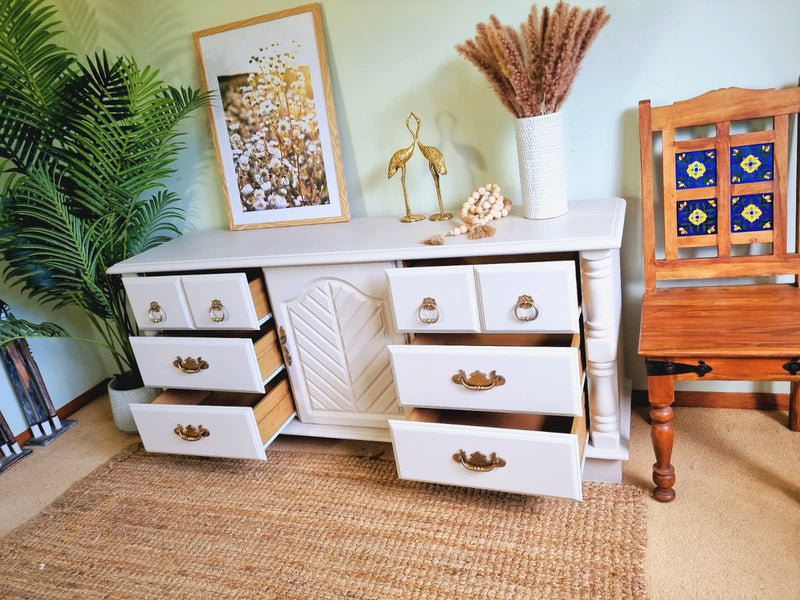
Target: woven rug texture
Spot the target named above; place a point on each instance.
(306, 526)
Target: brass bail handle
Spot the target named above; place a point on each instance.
(428, 312)
(477, 381)
(190, 365)
(217, 312)
(156, 314)
(479, 462)
(190, 433)
(525, 303)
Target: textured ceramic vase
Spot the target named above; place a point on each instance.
(121, 401)
(541, 166)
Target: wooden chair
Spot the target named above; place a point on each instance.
(725, 216)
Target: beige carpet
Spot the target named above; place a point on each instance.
(311, 526)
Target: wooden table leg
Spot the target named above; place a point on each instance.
(661, 394)
(794, 406)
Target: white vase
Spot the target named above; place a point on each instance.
(121, 401)
(541, 166)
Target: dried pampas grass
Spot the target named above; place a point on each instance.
(532, 70)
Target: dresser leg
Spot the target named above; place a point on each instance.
(794, 406)
(661, 393)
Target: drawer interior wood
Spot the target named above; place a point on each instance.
(558, 340)
(259, 293)
(271, 409)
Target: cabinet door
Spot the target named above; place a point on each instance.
(335, 326)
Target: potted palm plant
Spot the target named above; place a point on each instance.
(85, 146)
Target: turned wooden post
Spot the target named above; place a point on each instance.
(661, 394)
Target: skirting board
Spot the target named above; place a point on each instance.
(69, 408)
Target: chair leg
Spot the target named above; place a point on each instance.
(661, 393)
(794, 406)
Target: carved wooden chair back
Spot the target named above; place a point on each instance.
(721, 190)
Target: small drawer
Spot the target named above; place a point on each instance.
(434, 298)
(533, 454)
(528, 297)
(158, 302)
(215, 424)
(531, 373)
(225, 300)
(228, 364)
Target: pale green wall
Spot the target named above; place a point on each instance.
(388, 58)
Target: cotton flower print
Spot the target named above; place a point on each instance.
(273, 131)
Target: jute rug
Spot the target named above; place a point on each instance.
(318, 526)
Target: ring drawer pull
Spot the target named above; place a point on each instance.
(189, 365)
(217, 312)
(156, 313)
(525, 303)
(478, 381)
(190, 433)
(479, 462)
(287, 358)
(428, 306)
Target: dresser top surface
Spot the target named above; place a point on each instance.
(588, 225)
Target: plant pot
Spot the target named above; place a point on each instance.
(122, 399)
(541, 166)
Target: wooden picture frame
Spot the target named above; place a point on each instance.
(273, 120)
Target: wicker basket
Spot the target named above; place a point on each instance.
(541, 166)
(121, 401)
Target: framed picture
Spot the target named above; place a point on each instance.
(273, 122)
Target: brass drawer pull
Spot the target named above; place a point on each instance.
(190, 433)
(217, 312)
(287, 358)
(478, 381)
(428, 306)
(525, 303)
(479, 462)
(189, 365)
(156, 313)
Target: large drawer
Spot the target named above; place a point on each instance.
(214, 424)
(228, 364)
(207, 301)
(540, 455)
(531, 373)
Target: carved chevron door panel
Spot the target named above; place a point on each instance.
(337, 330)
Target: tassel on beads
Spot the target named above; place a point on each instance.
(483, 205)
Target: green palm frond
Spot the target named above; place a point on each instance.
(33, 71)
(12, 329)
(85, 147)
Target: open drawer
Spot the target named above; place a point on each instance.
(530, 373)
(528, 454)
(205, 301)
(236, 364)
(220, 424)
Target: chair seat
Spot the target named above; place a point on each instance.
(721, 321)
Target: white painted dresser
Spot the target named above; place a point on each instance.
(485, 362)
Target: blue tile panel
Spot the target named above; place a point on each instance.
(696, 169)
(697, 217)
(751, 163)
(752, 212)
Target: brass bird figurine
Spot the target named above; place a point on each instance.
(398, 161)
(437, 167)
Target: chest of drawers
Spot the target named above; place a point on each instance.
(501, 350)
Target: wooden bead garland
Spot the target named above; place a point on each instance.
(483, 205)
